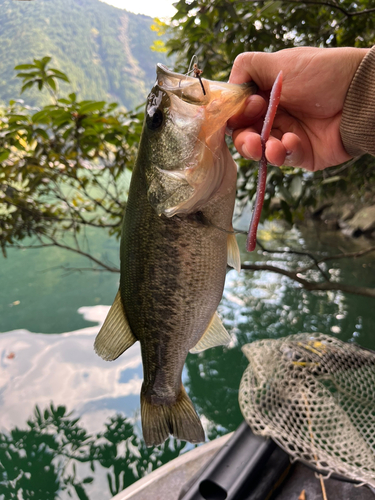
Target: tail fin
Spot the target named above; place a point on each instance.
(179, 419)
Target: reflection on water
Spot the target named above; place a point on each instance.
(64, 368)
(55, 456)
(102, 452)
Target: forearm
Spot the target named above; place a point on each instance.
(357, 126)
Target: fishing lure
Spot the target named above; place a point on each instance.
(262, 174)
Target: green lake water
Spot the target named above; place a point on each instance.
(50, 375)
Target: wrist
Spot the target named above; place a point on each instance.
(358, 117)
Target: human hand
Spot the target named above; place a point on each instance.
(306, 129)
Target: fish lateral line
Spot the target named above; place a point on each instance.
(262, 172)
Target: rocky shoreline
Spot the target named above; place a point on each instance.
(350, 217)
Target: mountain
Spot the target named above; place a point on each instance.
(105, 51)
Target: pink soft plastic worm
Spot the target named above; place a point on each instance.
(262, 174)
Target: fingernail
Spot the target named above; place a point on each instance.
(228, 131)
(246, 153)
(289, 158)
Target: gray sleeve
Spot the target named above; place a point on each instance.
(357, 126)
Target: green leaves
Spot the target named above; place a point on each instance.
(38, 74)
(218, 31)
(59, 74)
(4, 155)
(91, 106)
(24, 66)
(330, 180)
(74, 154)
(42, 116)
(296, 187)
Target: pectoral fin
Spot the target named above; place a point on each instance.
(234, 258)
(215, 335)
(115, 335)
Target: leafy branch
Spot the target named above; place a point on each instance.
(63, 166)
(38, 74)
(332, 5)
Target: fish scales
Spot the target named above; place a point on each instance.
(176, 306)
(176, 237)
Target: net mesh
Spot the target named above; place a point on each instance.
(315, 396)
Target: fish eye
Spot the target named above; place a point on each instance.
(154, 119)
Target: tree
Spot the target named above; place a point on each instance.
(63, 166)
(219, 30)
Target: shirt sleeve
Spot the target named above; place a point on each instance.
(357, 126)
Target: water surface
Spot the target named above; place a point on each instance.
(70, 422)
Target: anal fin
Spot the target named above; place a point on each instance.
(214, 335)
(115, 336)
(234, 258)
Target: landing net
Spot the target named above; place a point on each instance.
(315, 396)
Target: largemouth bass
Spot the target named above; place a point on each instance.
(177, 238)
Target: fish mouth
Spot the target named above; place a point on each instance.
(187, 88)
(165, 73)
(163, 69)
(190, 89)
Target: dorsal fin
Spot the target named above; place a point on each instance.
(234, 258)
(115, 335)
(214, 335)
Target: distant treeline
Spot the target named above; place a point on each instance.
(105, 51)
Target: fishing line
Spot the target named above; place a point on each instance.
(190, 70)
(193, 68)
(194, 61)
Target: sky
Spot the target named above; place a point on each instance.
(152, 8)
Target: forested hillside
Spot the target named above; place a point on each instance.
(104, 50)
